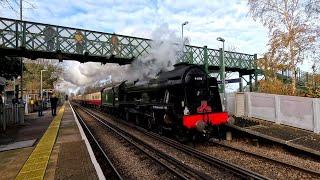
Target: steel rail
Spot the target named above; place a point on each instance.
(114, 171)
(175, 165)
(245, 173)
(317, 173)
(238, 170)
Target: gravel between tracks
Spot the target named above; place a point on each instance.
(270, 169)
(193, 162)
(214, 172)
(276, 152)
(131, 163)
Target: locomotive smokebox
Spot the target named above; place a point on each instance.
(200, 125)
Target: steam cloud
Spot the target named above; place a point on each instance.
(165, 51)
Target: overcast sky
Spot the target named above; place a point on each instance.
(208, 19)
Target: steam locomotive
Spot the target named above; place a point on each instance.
(184, 101)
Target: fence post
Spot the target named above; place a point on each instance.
(21, 113)
(2, 117)
(16, 110)
(4, 125)
(316, 115)
(277, 109)
(240, 104)
(248, 104)
(255, 72)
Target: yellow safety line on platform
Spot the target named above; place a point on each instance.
(35, 166)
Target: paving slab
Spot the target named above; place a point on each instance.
(282, 132)
(17, 145)
(36, 164)
(12, 161)
(70, 158)
(74, 167)
(290, 136)
(18, 142)
(33, 128)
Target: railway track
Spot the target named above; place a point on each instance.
(180, 170)
(266, 158)
(212, 161)
(258, 156)
(108, 167)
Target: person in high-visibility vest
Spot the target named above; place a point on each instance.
(79, 39)
(114, 44)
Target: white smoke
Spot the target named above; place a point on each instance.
(163, 54)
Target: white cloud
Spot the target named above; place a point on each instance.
(208, 19)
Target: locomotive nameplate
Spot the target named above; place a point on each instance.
(159, 107)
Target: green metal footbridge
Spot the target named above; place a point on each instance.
(37, 40)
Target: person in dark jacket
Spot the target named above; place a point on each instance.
(1, 104)
(40, 107)
(54, 103)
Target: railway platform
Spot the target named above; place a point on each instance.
(292, 137)
(59, 151)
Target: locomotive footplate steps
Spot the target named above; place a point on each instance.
(61, 153)
(299, 139)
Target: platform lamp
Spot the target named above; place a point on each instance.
(41, 83)
(222, 70)
(182, 25)
(21, 59)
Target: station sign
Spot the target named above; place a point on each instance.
(237, 80)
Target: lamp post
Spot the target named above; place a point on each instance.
(41, 83)
(222, 73)
(183, 24)
(21, 59)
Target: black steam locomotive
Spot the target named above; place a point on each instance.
(184, 101)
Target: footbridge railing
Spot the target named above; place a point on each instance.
(39, 40)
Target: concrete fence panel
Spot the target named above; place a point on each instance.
(300, 112)
(316, 115)
(262, 106)
(239, 104)
(296, 111)
(230, 97)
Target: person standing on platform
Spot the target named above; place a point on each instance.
(40, 107)
(1, 104)
(54, 102)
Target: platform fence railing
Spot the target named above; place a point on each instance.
(11, 115)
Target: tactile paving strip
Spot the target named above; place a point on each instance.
(35, 166)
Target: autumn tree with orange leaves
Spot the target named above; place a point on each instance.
(293, 33)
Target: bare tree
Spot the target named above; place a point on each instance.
(291, 32)
(313, 7)
(14, 5)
